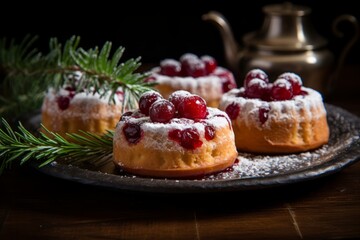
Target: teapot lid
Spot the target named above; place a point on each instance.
(286, 28)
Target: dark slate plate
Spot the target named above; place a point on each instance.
(250, 172)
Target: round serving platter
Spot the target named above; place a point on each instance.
(249, 172)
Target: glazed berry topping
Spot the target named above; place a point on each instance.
(267, 92)
(281, 90)
(227, 80)
(209, 132)
(264, 113)
(285, 87)
(63, 102)
(170, 67)
(178, 96)
(71, 91)
(186, 60)
(232, 111)
(187, 110)
(192, 107)
(196, 68)
(175, 135)
(256, 88)
(188, 138)
(146, 100)
(187, 57)
(162, 111)
(295, 81)
(132, 132)
(255, 73)
(210, 63)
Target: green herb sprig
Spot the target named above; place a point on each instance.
(22, 146)
(27, 73)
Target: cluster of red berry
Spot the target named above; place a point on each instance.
(181, 107)
(285, 87)
(190, 65)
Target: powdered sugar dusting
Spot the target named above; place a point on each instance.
(206, 86)
(87, 101)
(253, 166)
(281, 82)
(215, 118)
(279, 110)
(344, 140)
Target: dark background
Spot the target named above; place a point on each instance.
(161, 29)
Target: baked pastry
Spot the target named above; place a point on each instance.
(65, 111)
(198, 75)
(180, 137)
(279, 117)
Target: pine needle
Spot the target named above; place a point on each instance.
(22, 146)
(28, 73)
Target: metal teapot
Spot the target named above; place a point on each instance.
(287, 42)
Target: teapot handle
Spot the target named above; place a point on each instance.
(355, 24)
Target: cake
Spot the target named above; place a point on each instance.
(276, 118)
(198, 75)
(64, 111)
(175, 137)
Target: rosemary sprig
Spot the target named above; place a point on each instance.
(24, 146)
(28, 73)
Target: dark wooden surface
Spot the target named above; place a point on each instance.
(37, 206)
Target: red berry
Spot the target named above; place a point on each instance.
(210, 63)
(175, 135)
(178, 96)
(162, 111)
(256, 88)
(193, 107)
(63, 102)
(187, 56)
(170, 67)
(132, 132)
(227, 80)
(147, 99)
(232, 110)
(185, 61)
(209, 132)
(267, 93)
(196, 68)
(188, 138)
(255, 73)
(192, 66)
(264, 113)
(295, 81)
(71, 91)
(281, 90)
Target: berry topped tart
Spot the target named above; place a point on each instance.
(175, 137)
(199, 75)
(67, 111)
(280, 117)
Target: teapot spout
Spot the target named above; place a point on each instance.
(231, 47)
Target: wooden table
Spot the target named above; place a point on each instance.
(37, 206)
